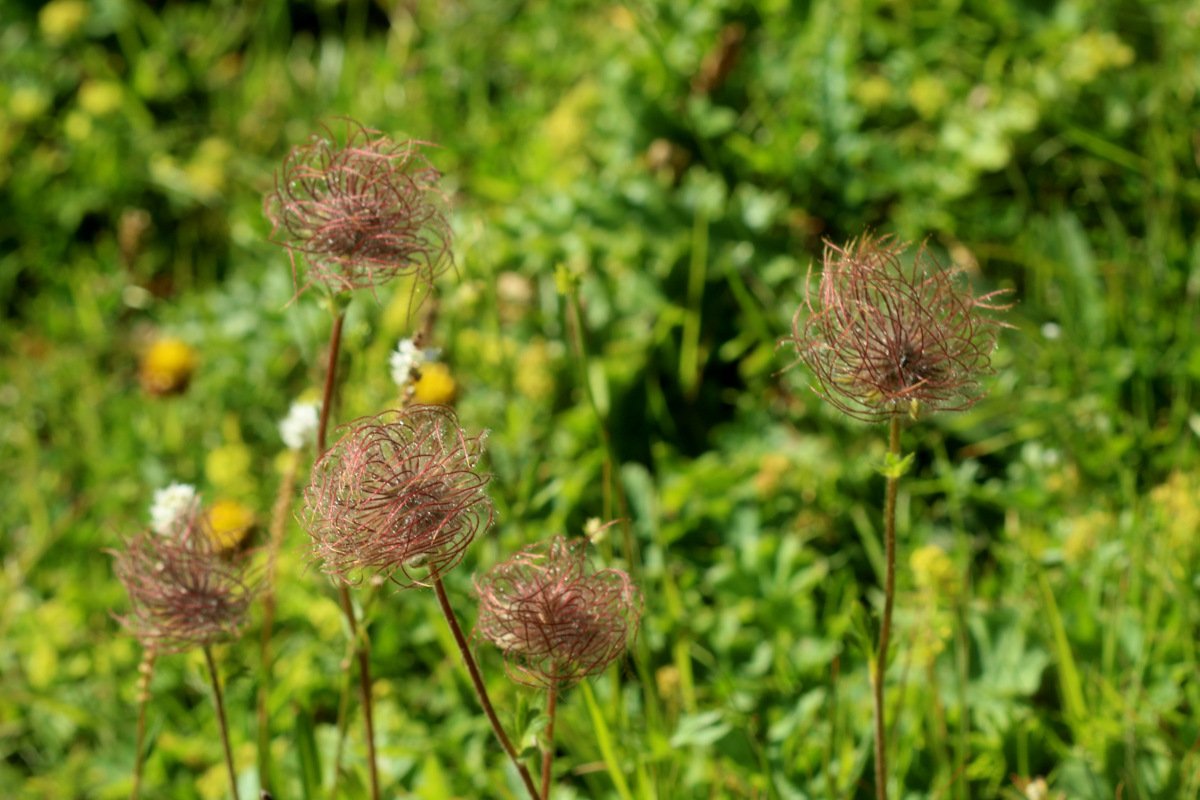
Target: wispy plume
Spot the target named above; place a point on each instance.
(400, 497)
(556, 619)
(883, 338)
(359, 213)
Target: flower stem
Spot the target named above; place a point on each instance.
(361, 648)
(343, 714)
(279, 517)
(219, 700)
(548, 748)
(362, 653)
(145, 671)
(480, 688)
(335, 345)
(885, 627)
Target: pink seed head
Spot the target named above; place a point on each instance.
(184, 592)
(883, 339)
(398, 497)
(556, 619)
(360, 213)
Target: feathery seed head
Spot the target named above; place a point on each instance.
(360, 213)
(884, 339)
(399, 496)
(555, 618)
(184, 591)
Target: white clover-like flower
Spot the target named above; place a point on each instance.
(299, 427)
(172, 508)
(406, 357)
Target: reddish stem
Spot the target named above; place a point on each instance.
(480, 688)
(363, 654)
(548, 750)
(885, 628)
(361, 650)
(335, 345)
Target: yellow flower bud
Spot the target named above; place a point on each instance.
(167, 367)
(436, 387)
(229, 523)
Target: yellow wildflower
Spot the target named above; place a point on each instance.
(229, 523)
(167, 366)
(436, 386)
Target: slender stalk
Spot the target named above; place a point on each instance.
(361, 649)
(219, 700)
(613, 488)
(335, 345)
(885, 627)
(548, 749)
(480, 689)
(343, 715)
(962, 665)
(279, 517)
(362, 652)
(835, 670)
(145, 672)
(612, 479)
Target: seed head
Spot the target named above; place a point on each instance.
(184, 591)
(399, 497)
(556, 620)
(360, 213)
(884, 339)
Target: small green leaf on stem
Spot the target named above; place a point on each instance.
(895, 466)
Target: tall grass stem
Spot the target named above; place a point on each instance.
(279, 518)
(612, 467)
(145, 673)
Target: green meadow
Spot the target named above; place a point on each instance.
(640, 195)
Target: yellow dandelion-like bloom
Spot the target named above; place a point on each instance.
(167, 367)
(436, 386)
(229, 523)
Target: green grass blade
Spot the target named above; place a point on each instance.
(308, 756)
(604, 740)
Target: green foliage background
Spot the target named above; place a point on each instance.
(596, 153)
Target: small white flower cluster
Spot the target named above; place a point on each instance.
(299, 427)
(172, 508)
(406, 357)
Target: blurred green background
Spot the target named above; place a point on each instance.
(668, 170)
